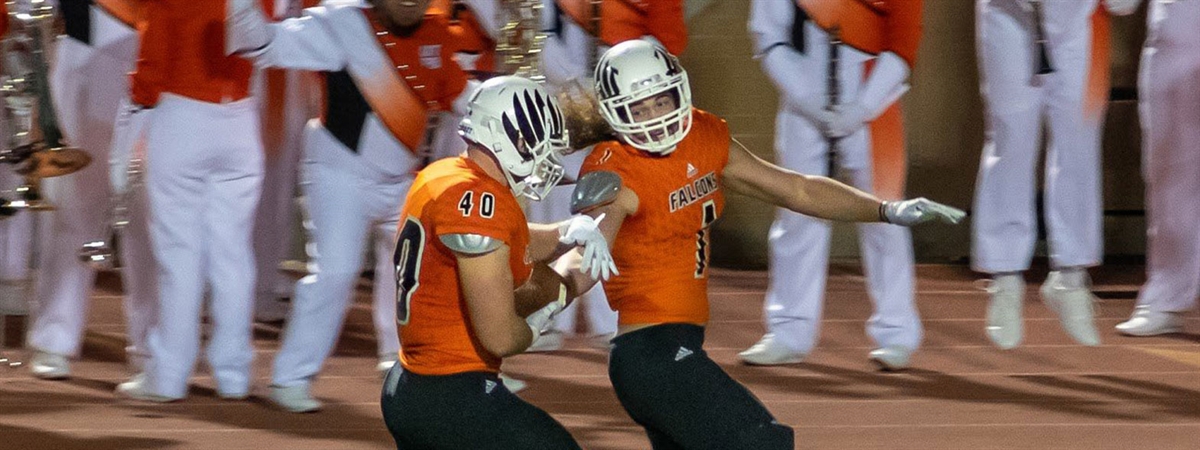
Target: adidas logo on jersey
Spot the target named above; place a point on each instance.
(682, 353)
(691, 170)
(488, 386)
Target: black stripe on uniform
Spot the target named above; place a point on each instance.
(345, 109)
(77, 19)
(798, 41)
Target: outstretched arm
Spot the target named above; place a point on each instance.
(305, 43)
(823, 197)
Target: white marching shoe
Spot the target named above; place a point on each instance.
(138, 388)
(1004, 317)
(294, 398)
(49, 366)
(770, 352)
(1067, 294)
(1147, 322)
(892, 357)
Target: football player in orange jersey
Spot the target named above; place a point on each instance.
(462, 250)
(673, 162)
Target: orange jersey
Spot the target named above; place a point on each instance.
(872, 26)
(625, 20)
(662, 248)
(183, 52)
(451, 196)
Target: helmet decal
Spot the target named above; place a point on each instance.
(522, 127)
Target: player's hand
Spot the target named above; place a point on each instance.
(847, 119)
(584, 231)
(917, 211)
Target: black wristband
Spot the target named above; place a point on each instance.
(883, 212)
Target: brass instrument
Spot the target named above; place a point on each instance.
(35, 145)
(519, 48)
(106, 254)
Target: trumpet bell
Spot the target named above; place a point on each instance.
(54, 162)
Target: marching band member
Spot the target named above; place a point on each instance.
(95, 115)
(206, 161)
(1040, 61)
(858, 133)
(386, 66)
(1169, 90)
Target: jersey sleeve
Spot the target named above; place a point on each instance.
(473, 208)
(608, 157)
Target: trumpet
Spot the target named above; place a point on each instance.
(519, 49)
(35, 141)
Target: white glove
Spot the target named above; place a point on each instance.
(813, 108)
(246, 28)
(541, 319)
(919, 210)
(584, 231)
(1121, 7)
(847, 119)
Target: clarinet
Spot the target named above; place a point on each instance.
(1044, 66)
(833, 91)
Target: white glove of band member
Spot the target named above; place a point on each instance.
(918, 210)
(541, 319)
(246, 28)
(813, 108)
(847, 119)
(1121, 7)
(584, 231)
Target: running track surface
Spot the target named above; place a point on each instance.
(961, 393)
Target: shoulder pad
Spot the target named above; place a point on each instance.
(470, 244)
(595, 189)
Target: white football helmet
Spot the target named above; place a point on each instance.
(637, 70)
(521, 125)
